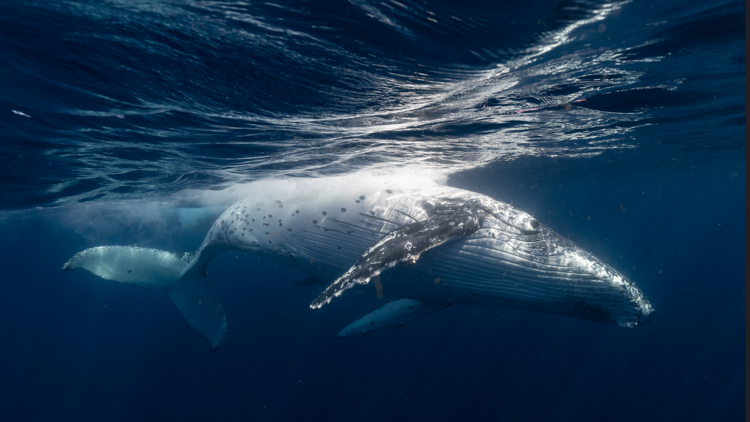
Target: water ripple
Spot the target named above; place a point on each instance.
(122, 99)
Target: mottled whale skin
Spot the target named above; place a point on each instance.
(415, 239)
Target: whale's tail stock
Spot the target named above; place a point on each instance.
(183, 276)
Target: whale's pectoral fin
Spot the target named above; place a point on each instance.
(181, 275)
(200, 306)
(446, 222)
(395, 313)
(145, 267)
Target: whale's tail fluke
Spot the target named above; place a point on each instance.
(183, 276)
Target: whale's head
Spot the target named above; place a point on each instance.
(594, 289)
(529, 266)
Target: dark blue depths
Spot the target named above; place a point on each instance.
(139, 100)
(79, 348)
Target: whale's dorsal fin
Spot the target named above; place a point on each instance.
(396, 313)
(447, 220)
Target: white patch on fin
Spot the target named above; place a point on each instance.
(395, 313)
(183, 279)
(150, 268)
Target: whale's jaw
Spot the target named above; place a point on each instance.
(541, 272)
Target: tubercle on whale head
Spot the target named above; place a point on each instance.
(646, 310)
(643, 310)
(644, 318)
(627, 305)
(530, 225)
(510, 215)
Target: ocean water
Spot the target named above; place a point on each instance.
(620, 125)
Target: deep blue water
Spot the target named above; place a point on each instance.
(620, 125)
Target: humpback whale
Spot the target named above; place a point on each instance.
(429, 245)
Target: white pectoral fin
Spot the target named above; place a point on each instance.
(449, 221)
(200, 306)
(151, 268)
(395, 313)
(184, 281)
